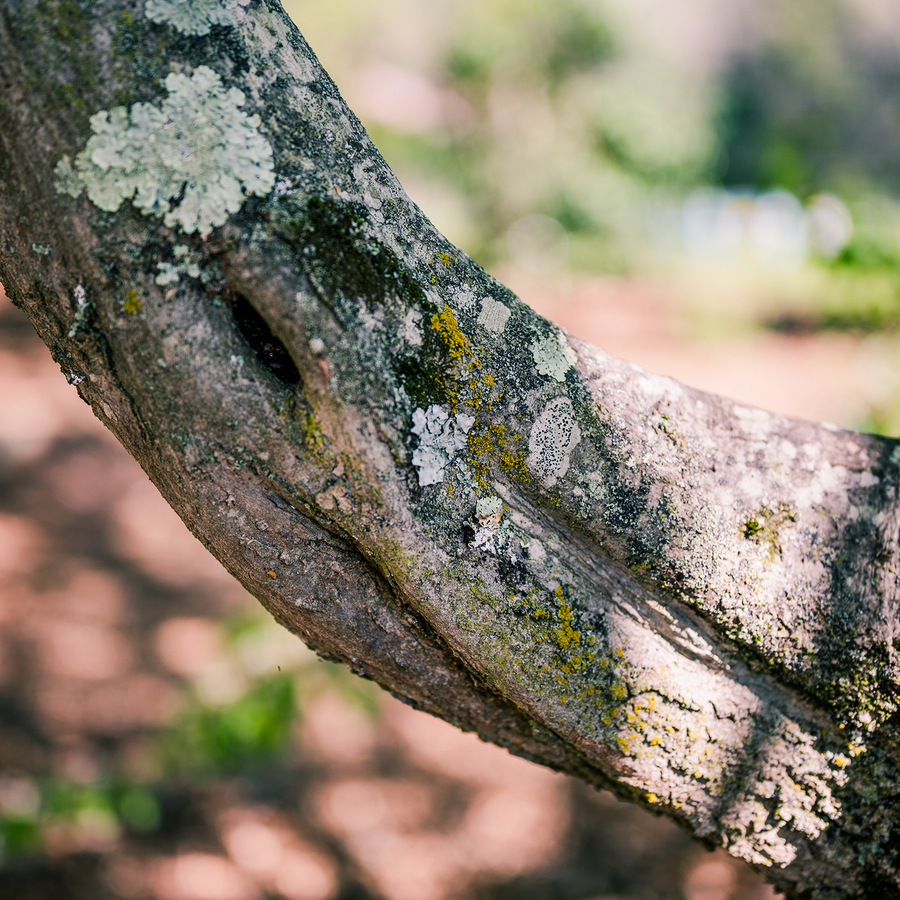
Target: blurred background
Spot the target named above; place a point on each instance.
(708, 189)
(711, 190)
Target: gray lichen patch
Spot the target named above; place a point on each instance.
(187, 262)
(554, 435)
(192, 160)
(494, 315)
(196, 17)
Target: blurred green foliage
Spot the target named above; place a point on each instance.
(212, 741)
(212, 738)
(89, 813)
(272, 677)
(589, 112)
(19, 836)
(607, 116)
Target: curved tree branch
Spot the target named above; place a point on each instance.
(655, 589)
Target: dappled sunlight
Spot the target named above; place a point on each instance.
(826, 376)
(201, 876)
(187, 646)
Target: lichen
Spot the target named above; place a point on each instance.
(441, 437)
(488, 508)
(187, 263)
(132, 304)
(196, 17)
(79, 323)
(565, 636)
(494, 315)
(791, 788)
(411, 333)
(192, 160)
(488, 535)
(445, 324)
(554, 435)
(553, 356)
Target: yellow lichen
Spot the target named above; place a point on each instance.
(565, 636)
(132, 302)
(445, 324)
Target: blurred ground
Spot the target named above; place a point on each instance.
(160, 739)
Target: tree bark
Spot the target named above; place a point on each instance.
(657, 590)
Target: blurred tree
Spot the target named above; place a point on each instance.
(811, 104)
(657, 590)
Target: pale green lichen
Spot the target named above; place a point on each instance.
(192, 160)
(488, 535)
(79, 323)
(187, 263)
(488, 507)
(196, 17)
(553, 356)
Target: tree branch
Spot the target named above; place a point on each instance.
(649, 587)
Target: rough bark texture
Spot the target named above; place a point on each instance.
(657, 590)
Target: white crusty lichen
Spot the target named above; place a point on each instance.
(441, 437)
(553, 356)
(191, 160)
(494, 315)
(81, 306)
(554, 435)
(790, 789)
(411, 332)
(196, 17)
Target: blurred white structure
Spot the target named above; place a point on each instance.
(830, 224)
(772, 230)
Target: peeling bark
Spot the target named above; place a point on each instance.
(657, 590)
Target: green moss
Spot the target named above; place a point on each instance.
(314, 439)
(140, 72)
(766, 526)
(343, 261)
(425, 374)
(751, 528)
(63, 31)
(67, 21)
